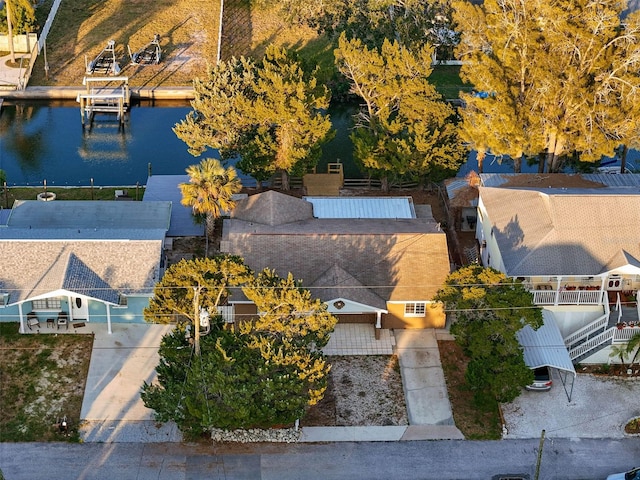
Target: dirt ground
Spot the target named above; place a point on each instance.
(362, 391)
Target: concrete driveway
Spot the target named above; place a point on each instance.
(599, 408)
(112, 408)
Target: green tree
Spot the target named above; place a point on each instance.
(560, 75)
(269, 114)
(267, 371)
(488, 309)
(3, 177)
(287, 312)
(23, 17)
(210, 192)
(190, 287)
(404, 127)
(239, 381)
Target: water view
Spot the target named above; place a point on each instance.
(40, 141)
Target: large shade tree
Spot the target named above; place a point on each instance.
(488, 309)
(404, 127)
(560, 78)
(190, 287)
(265, 371)
(210, 191)
(271, 115)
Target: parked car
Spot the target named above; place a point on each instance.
(542, 380)
(633, 474)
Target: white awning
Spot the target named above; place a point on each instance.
(545, 348)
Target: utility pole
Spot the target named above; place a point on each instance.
(539, 456)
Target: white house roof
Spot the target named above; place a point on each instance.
(362, 207)
(564, 233)
(545, 347)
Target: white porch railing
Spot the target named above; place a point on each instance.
(623, 335)
(568, 297)
(593, 343)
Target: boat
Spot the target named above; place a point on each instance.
(150, 54)
(105, 63)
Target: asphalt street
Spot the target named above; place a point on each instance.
(566, 459)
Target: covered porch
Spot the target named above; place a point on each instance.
(582, 290)
(63, 311)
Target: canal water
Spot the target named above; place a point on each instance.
(41, 141)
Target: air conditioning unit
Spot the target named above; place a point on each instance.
(614, 282)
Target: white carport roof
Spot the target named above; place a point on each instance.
(545, 347)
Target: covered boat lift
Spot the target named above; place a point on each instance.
(545, 348)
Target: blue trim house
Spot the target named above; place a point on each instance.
(91, 261)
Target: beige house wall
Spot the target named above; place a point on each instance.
(434, 317)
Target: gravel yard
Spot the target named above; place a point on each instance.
(600, 407)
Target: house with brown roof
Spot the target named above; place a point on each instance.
(70, 262)
(371, 260)
(578, 252)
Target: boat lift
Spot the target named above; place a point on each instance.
(104, 99)
(105, 62)
(150, 54)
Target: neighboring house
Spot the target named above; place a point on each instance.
(90, 261)
(371, 260)
(166, 188)
(576, 249)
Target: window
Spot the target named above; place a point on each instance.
(46, 304)
(122, 302)
(414, 309)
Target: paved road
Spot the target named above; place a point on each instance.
(564, 459)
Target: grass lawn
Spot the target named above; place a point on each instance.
(11, 194)
(42, 379)
(476, 422)
(189, 31)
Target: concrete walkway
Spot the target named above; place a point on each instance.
(425, 392)
(112, 410)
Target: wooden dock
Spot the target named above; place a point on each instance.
(102, 96)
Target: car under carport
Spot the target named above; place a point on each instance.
(545, 347)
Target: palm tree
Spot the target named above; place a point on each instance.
(634, 343)
(209, 192)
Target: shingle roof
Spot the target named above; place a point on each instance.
(272, 208)
(337, 283)
(564, 233)
(97, 269)
(404, 259)
(99, 249)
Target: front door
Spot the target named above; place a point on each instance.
(79, 309)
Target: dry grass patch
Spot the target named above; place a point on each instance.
(42, 379)
(188, 32)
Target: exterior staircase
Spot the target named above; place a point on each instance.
(603, 331)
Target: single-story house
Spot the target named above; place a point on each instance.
(82, 261)
(377, 260)
(578, 252)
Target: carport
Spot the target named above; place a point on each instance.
(545, 348)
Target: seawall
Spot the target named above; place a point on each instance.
(71, 93)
